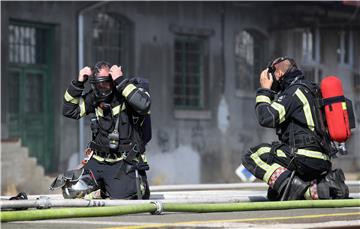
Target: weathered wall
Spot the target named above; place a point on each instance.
(203, 146)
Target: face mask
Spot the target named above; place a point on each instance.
(275, 85)
(103, 88)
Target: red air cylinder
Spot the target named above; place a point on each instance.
(336, 114)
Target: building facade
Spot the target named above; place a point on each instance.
(202, 59)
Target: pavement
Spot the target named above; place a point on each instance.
(348, 217)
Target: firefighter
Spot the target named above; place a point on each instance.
(120, 128)
(298, 166)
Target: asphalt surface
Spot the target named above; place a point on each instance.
(296, 218)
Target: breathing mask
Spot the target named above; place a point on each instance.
(276, 85)
(101, 85)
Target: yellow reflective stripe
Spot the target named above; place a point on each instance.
(82, 107)
(69, 98)
(144, 159)
(306, 108)
(307, 194)
(313, 154)
(128, 89)
(269, 169)
(344, 106)
(101, 159)
(270, 172)
(99, 112)
(118, 109)
(262, 99)
(280, 153)
(280, 109)
(111, 160)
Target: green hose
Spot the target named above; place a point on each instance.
(253, 206)
(7, 216)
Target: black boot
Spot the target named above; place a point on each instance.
(333, 186)
(295, 191)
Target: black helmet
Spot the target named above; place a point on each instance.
(75, 183)
(101, 85)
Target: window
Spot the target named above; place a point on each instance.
(26, 44)
(309, 45)
(249, 59)
(189, 72)
(112, 37)
(344, 54)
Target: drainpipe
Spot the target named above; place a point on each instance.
(81, 65)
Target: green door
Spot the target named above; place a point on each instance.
(29, 95)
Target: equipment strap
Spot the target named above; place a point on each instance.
(331, 100)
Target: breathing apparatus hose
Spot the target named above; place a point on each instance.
(158, 208)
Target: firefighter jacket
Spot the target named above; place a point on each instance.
(290, 111)
(130, 101)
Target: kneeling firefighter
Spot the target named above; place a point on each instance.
(120, 127)
(298, 166)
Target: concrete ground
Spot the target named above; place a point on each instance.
(296, 218)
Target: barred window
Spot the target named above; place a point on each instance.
(189, 62)
(249, 59)
(343, 50)
(26, 44)
(309, 45)
(112, 36)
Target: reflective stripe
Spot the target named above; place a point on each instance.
(280, 109)
(128, 89)
(269, 169)
(344, 106)
(116, 110)
(262, 99)
(280, 153)
(82, 107)
(307, 194)
(313, 154)
(69, 98)
(101, 159)
(99, 112)
(306, 108)
(147, 93)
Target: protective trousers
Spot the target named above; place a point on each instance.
(273, 163)
(116, 187)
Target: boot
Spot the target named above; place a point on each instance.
(297, 189)
(333, 186)
(273, 195)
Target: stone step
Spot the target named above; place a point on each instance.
(20, 172)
